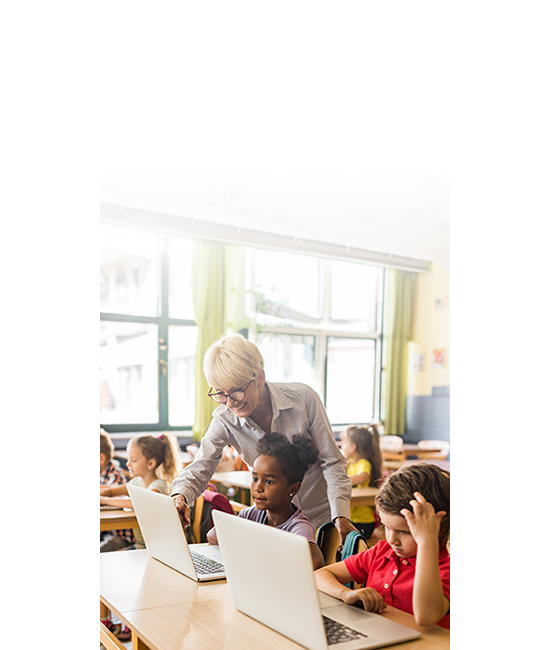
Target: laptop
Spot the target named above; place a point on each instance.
(165, 539)
(270, 578)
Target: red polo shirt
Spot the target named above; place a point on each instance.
(393, 577)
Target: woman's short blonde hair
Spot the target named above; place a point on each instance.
(231, 362)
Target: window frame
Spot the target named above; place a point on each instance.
(320, 330)
(163, 322)
(324, 328)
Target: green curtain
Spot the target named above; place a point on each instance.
(235, 318)
(208, 277)
(398, 300)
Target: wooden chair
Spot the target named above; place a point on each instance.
(328, 540)
(108, 640)
(392, 448)
(199, 504)
(440, 447)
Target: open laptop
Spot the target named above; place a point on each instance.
(165, 539)
(263, 560)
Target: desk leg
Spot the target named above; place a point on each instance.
(103, 611)
(137, 643)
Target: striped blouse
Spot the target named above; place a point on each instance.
(326, 489)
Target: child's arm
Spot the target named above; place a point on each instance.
(120, 502)
(332, 579)
(115, 496)
(361, 476)
(317, 556)
(113, 491)
(357, 479)
(211, 536)
(429, 602)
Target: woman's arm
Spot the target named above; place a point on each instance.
(332, 579)
(194, 478)
(429, 602)
(333, 465)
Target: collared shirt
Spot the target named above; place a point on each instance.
(113, 476)
(393, 577)
(326, 489)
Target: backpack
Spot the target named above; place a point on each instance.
(213, 500)
(328, 540)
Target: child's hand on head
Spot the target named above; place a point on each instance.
(369, 598)
(423, 522)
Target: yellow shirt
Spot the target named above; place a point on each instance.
(361, 514)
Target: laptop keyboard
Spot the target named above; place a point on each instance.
(339, 633)
(204, 565)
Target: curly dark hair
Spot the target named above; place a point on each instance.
(433, 483)
(294, 456)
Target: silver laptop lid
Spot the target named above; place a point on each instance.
(270, 578)
(265, 570)
(163, 533)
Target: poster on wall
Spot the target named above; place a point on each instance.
(418, 362)
(439, 359)
(441, 304)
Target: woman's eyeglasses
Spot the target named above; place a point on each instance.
(235, 396)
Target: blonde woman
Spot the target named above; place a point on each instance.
(251, 408)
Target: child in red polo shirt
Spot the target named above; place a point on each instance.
(410, 570)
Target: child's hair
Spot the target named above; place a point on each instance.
(367, 440)
(294, 456)
(433, 483)
(106, 445)
(164, 449)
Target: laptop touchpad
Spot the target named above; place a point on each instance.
(348, 614)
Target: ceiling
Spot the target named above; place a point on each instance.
(396, 212)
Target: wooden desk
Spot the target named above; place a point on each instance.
(237, 479)
(240, 479)
(363, 496)
(408, 449)
(359, 496)
(396, 464)
(117, 519)
(167, 611)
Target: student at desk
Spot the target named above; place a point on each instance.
(276, 478)
(109, 475)
(152, 463)
(361, 448)
(410, 570)
(251, 408)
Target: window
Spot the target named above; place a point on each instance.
(148, 335)
(318, 321)
(315, 321)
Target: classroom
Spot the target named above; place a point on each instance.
(342, 286)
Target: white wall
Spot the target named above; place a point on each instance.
(404, 214)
